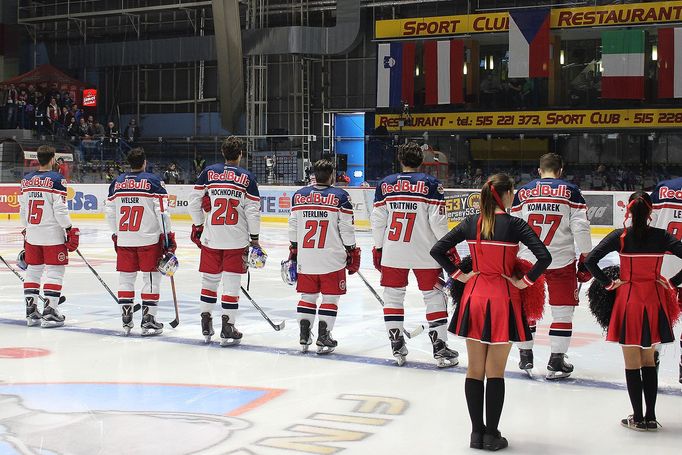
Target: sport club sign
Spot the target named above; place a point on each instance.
(588, 16)
(540, 120)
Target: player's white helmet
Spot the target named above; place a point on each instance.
(289, 272)
(257, 257)
(168, 264)
(21, 260)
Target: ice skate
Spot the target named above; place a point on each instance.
(494, 441)
(52, 318)
(33, 316)
(229, 335)
(632, 424)
(207, 326)
(149, 324)
(398, 346)
(306, 337)
(557, 368)
(445, 357)
(652, 425)
(526, 361)
(127, 319)
(325, 343)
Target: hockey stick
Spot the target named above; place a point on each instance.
(411, 334)
(62, 299)
(175, 322)
(136, 308)
(277, 327)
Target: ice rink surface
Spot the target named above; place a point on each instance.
(84, 389)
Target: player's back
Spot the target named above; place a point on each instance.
(321, 223)
(43, 207)
(135, 198)
(235, 206)
(415, 209)
(555, 209)
(666, 201)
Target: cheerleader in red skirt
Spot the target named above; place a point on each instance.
(489, 314)
(641, 316)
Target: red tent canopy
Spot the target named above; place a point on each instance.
(44, 78)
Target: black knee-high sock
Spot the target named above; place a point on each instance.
(494, 401)
(650, 387)
(634, 382)
(473, 390)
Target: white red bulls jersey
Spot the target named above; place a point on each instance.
(408, 218)
(666, 199)
(133, 209)
(321, 223)
(235, 206)
(43, 210)
(555, 209)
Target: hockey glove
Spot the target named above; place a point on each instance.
(376, 258)
(195, 236)
(172, 246)
(583, 274)
(72, 239)
(353, 260)
(206, 203)
(114, 238)
(293, 252)
(453, 256)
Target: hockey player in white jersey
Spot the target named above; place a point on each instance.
(48, 237)
(407, 220)
(230, 195)
(322, 236)
(555, 209)
(666, 201)
(135, 211)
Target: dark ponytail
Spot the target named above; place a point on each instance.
(639, 210)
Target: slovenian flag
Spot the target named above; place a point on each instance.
(670, 63)
(529, 42)
(622, 59)
(443, 71)
(395, 74)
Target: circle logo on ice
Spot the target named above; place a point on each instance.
(22, 353)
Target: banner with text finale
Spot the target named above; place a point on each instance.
(559, 119)
(560, 18)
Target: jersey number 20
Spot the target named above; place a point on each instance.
(131, 218)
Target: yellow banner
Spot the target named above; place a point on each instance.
(535, 120)
(588, 16)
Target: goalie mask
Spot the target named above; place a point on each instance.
(21, 260)
(257, 257)
(168, 264)
(289, 272)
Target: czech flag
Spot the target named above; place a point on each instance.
(670, 63)
(395, 74)
(529, 42)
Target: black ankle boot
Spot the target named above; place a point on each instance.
(494, 441)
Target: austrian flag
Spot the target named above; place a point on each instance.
(529, 42)
(670, 63)
(443, 71)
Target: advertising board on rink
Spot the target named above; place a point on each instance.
(560, 18)
(554, 119)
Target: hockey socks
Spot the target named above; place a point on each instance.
(474, 392)
(650, 388)
(634, 383)
(494, 401)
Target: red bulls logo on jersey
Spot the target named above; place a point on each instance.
(541, 190)
(132, 184)
(228, 176)
(405, 186)
(668, 193)
(36, 181)
(316, 198)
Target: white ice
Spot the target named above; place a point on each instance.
(92, 391)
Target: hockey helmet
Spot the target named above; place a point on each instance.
(21, 260)
(257, 257)
(289, 272)
(168, 264)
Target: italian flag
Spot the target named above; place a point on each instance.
(622, 64)
(670, 63)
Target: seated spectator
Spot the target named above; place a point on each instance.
(76, 112)
(84, 131)
(66, 100)
(172, 174)
(73, 130)
(111, 130)
(97, 130)
(132, 132)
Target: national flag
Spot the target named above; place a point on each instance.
(670, 63)
(622, 60)
(529, 42)
(443, 71)
(395, 74)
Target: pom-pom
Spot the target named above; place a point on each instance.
(533, 297)
(601, 300)
(673, 306)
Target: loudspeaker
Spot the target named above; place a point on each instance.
(341, 162)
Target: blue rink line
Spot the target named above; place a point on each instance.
(578, 382)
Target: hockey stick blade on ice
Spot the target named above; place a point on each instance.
(137, 306)
(277, 327)
(62, 299)
(419, 329)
